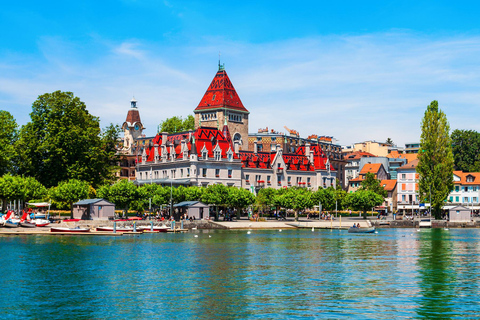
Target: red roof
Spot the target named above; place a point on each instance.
(357, 155)
(221, 94)
(388, 185)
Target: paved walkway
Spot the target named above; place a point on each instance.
(289, 224)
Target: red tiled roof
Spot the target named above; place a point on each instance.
(464, 175)
(388, 185)
(370, 167)
(221, 94)
(133, 116)
(358, 154)
(410, 165)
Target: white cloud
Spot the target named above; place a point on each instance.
(354, 88)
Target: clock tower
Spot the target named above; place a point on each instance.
(132, 127)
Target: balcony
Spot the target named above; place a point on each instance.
(280, 170)
(247, 181)
(260, 183)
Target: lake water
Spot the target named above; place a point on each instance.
(299, 274)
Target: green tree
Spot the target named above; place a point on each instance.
(435, 159)
(217, 195)
(373, 184)
(33, 189)
(465, 147)
(63, 141)
(123, 193)
(11, 188)
(265, 199)
(8, 137)
(68, 192)
(297, 199)
(177, 124)
(194, 193)
(389, 141)
(239, 198)
(363, 200)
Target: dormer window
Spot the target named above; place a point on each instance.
(470, 178)
(218, 156)
(230, 154)
(204, 153)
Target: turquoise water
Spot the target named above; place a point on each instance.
(295, 274)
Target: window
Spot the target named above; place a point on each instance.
(229, 173)
(474, 188)
(258, 177)
(268, 179)
(465, 189)
(456, 199)
(218, 155)
(403, 198)
(230, 156)
(451, 199)
(217, 173)
(204, 155)
(308, 180)
(188, 172)
(404, 176)
(204, 172)
(456, 188)
(465, 199)
(247, 177)
(474, 199)
(181, 173)
(289, 180)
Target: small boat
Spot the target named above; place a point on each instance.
(26, 224)
(10, 224)
(41, 222)
(118, 229)
(75, 230)
(361, 230)
(155, 228)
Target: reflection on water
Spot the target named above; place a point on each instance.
(397, 273)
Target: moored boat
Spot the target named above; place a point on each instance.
(118, 229)
(361, 230)
(41, 222)
(26, 224)
(10, 224)
(61, 229)
(153, 229)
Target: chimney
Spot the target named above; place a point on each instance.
(155, 147)
(307, 150)
(144, 155)
(164, 138)
(184, 150)
(255, 147)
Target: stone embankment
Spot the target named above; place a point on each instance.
(415, 224)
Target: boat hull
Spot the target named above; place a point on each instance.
(9, 224)
(362, 230)
(155, 229)
(118, 229)
(41, 222)
(72, 230)
(27, 224)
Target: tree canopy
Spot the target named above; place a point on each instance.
(63, 141)
(363, 200)
(465, 147)
(373, 184)
(177, 124)
(8, 137)
(435, 159)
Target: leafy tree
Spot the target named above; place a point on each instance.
(465, 146)
(8, 137)
(297, 199)
(373, 184)
(389, 141)
(32, 189)
(363, 200)
(11, 188)
(63, 141)
(265, 199)
(240, 198)
(176, 124)
(68, 192)
(216, 194)
(435, 159)
(194, 193)
(123, 193)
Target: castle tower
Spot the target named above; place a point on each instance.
(221, 104)
(132, 127)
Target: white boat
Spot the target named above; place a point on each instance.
(425, 223)
(153, 229)
(118, 229)
(41, 222)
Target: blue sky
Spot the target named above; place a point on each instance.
(353, 70)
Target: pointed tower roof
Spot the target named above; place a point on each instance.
(133, 115)
(221, 94)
